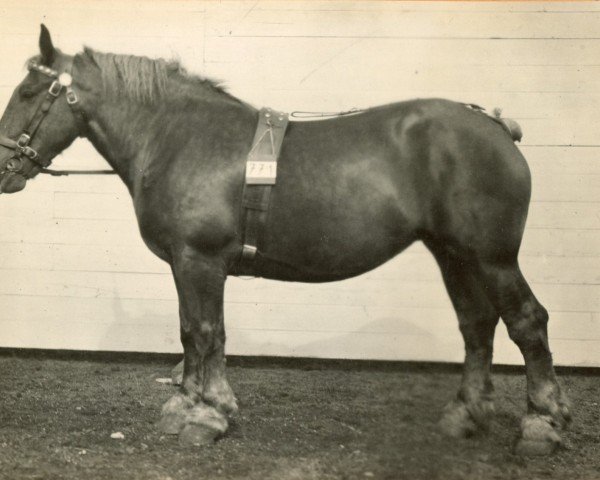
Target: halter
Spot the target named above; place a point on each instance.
(21, 145)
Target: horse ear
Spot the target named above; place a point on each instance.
(46, 48)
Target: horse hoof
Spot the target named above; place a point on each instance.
(171, 423)
(174, 414)
(198, 435)
(535, 448)
(456, 421)
(203, 425)
(538, 436)
(228, 407)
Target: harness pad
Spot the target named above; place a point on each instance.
(261, 175)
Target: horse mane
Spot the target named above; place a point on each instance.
(145, 80)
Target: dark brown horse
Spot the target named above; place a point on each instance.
(351, 193)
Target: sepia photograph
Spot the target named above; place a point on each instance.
(299, 239)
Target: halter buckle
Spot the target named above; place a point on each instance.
(23, 140)
(55, 88)
(71, 96)
(249, 252)
(30, 153)
(23, 147)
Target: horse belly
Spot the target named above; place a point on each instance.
(341, 222)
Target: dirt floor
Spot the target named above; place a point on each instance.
(308, 421)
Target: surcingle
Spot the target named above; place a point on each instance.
(510, 126)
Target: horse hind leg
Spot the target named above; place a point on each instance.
(473, 407)
(526, 320)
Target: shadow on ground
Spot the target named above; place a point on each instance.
(56, 418)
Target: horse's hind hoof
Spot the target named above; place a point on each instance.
(535, 448)
(198, 435)
(204, 424)
(456, 422)
(538, 436)
(171, 424)
(174, 414)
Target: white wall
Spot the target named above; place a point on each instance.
(75, 274)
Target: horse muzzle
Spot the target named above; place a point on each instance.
(11, 182)
(11, 178)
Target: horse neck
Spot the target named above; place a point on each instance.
(128, 134)
(115, 130)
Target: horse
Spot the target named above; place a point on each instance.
(351, 193)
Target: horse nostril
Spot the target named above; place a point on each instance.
(14, 164)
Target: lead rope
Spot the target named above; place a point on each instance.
(301, 114)
(64, 173)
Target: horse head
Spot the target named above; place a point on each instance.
(41, 118)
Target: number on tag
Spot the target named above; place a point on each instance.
(261, 173)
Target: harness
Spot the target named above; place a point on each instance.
(261, 175)
(21, 145)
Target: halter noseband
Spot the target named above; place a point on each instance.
(21, 145)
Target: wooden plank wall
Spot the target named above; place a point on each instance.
(75, 274)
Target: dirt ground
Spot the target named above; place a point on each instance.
(300, 421)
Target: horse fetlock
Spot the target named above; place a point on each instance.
(458, 422)
(560, 411)
(538, 436)
(551, 401)
(482, 412)
(177, 404)
(177, 374)
(563, 410)
(221, 397)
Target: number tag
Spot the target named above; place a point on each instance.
(261, 172)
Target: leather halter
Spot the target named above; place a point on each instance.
(21, 145)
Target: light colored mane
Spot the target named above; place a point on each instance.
(143, 79)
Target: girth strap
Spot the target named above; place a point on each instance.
(261, 175)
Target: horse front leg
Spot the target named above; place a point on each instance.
(199, 411)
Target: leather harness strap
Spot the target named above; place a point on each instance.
(261, 175)
(61, 82)
(21, 145)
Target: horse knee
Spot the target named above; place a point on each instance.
(204, 338)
